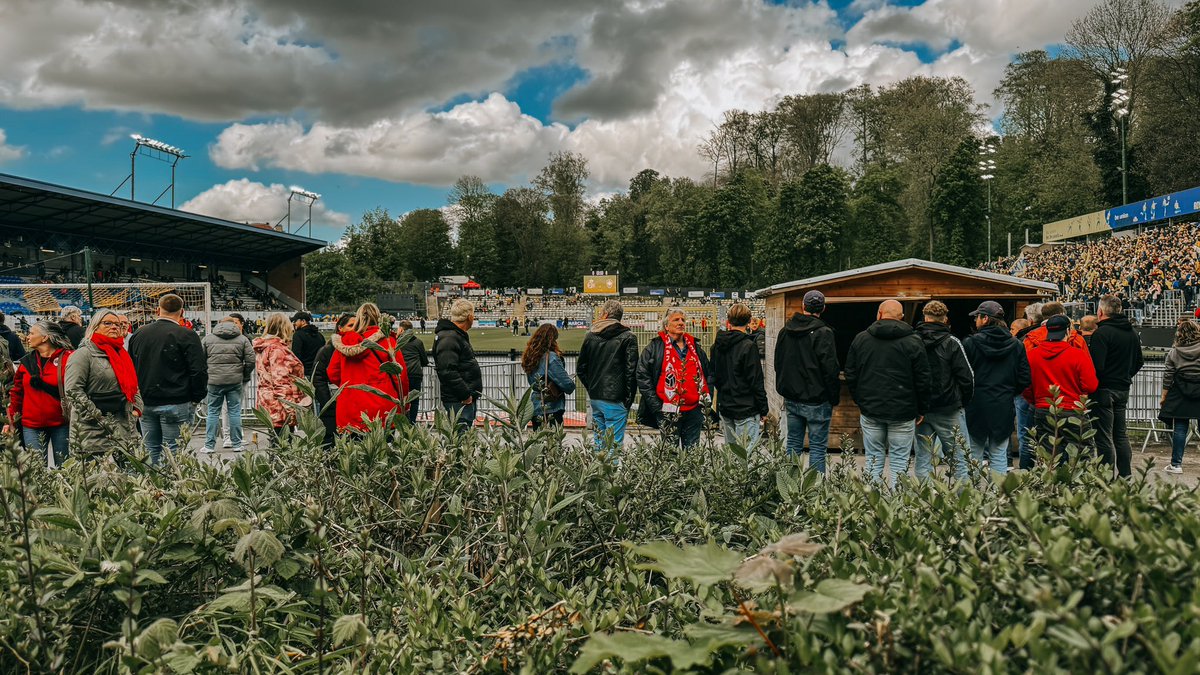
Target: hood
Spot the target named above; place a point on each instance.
(608, 328)
(803, 323)
(996, 343)
(889, 329)
(261, 343)
(352, 344)
(310, 329)
(1189, 352)
(932, 333)
(227, 330)
(1026, 331)
(1052, 350)
(1120, 322)
(728, 339)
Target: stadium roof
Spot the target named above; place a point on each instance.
(907, 263)
(59, 217)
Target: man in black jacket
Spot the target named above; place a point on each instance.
(172, 372)
(952, 382)
(458, 371)
(1001, 373)
(680, 415)
(1117, 354)
(607, 366)
(70, 319)
(806, 376)
(738, 378)
(306, 341)
(888, 376)
(415, 360)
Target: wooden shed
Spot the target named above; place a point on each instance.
(852, 300)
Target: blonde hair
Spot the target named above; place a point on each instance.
(935, 309)
(99, 316)
(278, 325)
(368, 315)
(460, 310)
(738, 315)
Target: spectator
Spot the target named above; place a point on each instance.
(1001, 374)
(15, 349)
(1180, 402)
(737, 376)
(1117, 355)
(323, 390)
(360, 357)
(306, 341)
(70, 318)
(1037, 334)
(1055, 363)
(172, 373)
(1025, 409)
(278, 369)
(673, 377)
(952, 383)
(36, 403)
(607, 367)
(546, 374)
(102, 387)
(1087, 326)
(458, 371)
(887, 372)
(415, 361)
(230, 358)
(760, 338)
(806, 376)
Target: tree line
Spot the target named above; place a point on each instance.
(821, 182)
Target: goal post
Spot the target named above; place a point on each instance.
(138, 300)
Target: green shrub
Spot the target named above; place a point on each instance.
(415, 550)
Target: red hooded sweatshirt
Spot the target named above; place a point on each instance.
(1060, 363)
(353, 363)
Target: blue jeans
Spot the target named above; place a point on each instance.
(1024, 423)
(685, 430)
(1178, 441)
(609, 417)
(945, 428)
(464, 415)
(160, 428)
(745, 431)
(56, 437)
(993, 451)
(230, 396)
(814, 418)
(890, 440)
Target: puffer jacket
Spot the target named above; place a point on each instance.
(358, 360)
(90, 374)
(35, 398)
(230, 355)
(278, 369)
(887, 372)
(737, 375)
(1001, 373)
(950, 377)
(1116, 353)
(806, 363)
(607, 364)
(457, 370)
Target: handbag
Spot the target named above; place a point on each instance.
(550, 391)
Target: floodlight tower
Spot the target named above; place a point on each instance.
(1120, 108)
(305, 197)
(163, 152)
(987, 172)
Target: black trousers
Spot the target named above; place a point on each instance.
(1112, 439)
(1074, 427)
(413, 409)
(548, 419)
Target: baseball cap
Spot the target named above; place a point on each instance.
(302, 316)
(1057, 327)
(814, 301)
(989, 308)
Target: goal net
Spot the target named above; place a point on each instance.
(137, 300)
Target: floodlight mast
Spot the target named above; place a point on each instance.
(309, 198)
(158, 150)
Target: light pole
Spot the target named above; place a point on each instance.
(1120, 108)
(308, 198)
(158, 150)
(987, 171)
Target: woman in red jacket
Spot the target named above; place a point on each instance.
(358, 359)
(35, 403)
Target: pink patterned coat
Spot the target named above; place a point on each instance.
(278, 369)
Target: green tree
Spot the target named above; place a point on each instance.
(957, 209)
(424, 236)
(520, 217)
(672, 207)
(721, 246)
(478, 255)
(878, 227)
(1170, 125)
(333, 281)
(815, 211)
(563, 182)
(373, 244)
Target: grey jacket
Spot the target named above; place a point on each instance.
(1182, 362)
(89, 374)
(230, 355)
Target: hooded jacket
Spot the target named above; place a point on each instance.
(1036, 335)
(950, 376)
(322, 390)
(888, 372)
(1116, 353)
(607, 364)
(15, 349)
(737, 376)
(90, 376)
(171, 365)
(74, 332)
(1001, 373)
(415, 359)
(457, 369)
(358, 360)
(1182, 362)
(306, 342)
(230, 355)
(1059, 363)
(278, 369)
(806, 364)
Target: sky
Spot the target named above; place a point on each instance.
(385, 103)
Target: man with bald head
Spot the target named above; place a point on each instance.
(887, 372)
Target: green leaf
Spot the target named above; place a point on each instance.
(636, 647)
(350, 628)
(53, 515)
(263, 544)
(705, 564)
(830, 595)
(237, 601)
(287, 568)
(157, 638)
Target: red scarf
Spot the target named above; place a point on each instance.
(682, 381)
(121, 364)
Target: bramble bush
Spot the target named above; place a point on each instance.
(415, 550)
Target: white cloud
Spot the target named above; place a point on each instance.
(9, 153)
(247, 201)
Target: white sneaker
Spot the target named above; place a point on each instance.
(240, 448)
(1173, 468)
(207, 449)
(228, 443)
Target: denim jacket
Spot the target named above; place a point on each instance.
(558, 375)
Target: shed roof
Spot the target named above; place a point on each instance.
(905, 264)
